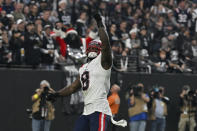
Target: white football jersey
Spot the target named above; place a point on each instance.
(95, 81)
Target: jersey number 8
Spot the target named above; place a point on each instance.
(85, 80)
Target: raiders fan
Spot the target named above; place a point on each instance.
(63, 14)
(32, 46)
(176, 64)
(48, 50)
(162, 64)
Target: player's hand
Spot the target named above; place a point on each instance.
(97, 17)
(53, 96)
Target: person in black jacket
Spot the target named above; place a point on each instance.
(32, 45)
(5, 52)
(17, 47)
(145, 39)
(64, 14)
(81, 26)
(49, 52)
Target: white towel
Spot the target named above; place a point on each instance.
(122, 122)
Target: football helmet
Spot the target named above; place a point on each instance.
(93, 48)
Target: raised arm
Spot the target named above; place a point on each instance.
(76, 85)
(106, 58)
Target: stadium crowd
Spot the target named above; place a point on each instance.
(145, 35)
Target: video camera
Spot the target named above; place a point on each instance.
(46, 95)
(190, 94)
(137, 91)
(157, 92)
(186, 88)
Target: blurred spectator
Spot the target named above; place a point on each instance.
(5, 52)
(171, 20)
(8, 6)
(81, 24)
(183, 41)
(18, 14)
(194, 20)
(191, 54)
(117, 56)
(183, 14)
(44, 5)
(32, 43)
(7, 20)
(132, 44)
(63, 14)
(112, 34)
(17, 47)
(144, 62)
(116, 17)
(192, 49)
(48, 49)
(158, 34)
(39, 30)
(45, 18)
(26, 11)
(145, 39)
(33, 14)
(122, 32)
(162, 63)
(168, 42)
(103, 8)
(176, 64)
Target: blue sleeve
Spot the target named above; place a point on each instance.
(147, 95)
(129, 103)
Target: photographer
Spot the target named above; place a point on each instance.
(42, 108)
(187, 108)
(158, 109)
(138, 108)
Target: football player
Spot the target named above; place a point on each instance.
(94, 79)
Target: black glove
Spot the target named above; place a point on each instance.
(98, 19)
